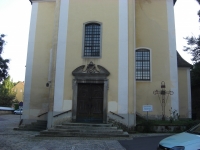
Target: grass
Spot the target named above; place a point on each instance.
(148, 125)
(176, 122)
(167, 122)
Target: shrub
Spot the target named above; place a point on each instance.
(7, 100)
(145, 126)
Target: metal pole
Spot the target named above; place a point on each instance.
(20, 115)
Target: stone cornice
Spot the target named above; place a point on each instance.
(55, 0)
(42, 1)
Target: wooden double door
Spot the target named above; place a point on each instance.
(90, 103)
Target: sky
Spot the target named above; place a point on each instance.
(186, 24)
(15, 21)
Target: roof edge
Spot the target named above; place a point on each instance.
(182, 62)
(174, 1)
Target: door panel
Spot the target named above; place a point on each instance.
(90, 103)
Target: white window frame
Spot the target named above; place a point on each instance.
(83, 41)
(150, 51)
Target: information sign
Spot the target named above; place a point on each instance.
(147, 108)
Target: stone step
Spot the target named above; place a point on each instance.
(74, 134)
(42, 121)
(83, 131)
(27, 129)
(39, 125)
(35, 125)
(30, 128)
(84, 127)
(87, 124)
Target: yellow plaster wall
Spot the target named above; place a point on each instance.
(43, 44)
(152, 33)
(80, 12)
(183, 92)
(131, 54)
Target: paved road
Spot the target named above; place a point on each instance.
(142, 143)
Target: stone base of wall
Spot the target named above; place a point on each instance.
(161, 128)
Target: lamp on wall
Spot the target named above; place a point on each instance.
(48, 83)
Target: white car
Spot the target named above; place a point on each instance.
(18, 111)
(189, 140)
(7, 108)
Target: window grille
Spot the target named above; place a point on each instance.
(143, 64)
(92, 40)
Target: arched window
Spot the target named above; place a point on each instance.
(92, 40)
(142, 57)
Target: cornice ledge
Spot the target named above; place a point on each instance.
(42, 0)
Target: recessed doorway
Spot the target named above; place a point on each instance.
(90, 103)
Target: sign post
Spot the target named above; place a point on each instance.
(20, 107)
(147, 108)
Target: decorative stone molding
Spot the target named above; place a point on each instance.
(91, 72)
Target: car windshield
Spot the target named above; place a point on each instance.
(195, 129)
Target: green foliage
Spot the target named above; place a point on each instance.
(181, 121)
(3, 62)
(6, 100)
(193, 47)
(198, 1)
(196, 102)
(173, 115)
(147, 126)
(16, 106)
(195, 90)
(195, 75)
(150, 125)
(2, 42)
(121, 126)
(194, 44)
(6, 94)
(189, 124)
(199, 10)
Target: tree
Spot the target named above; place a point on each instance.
(194, 44)
(199, 10)
(7, 95)
(195, 75)
(3, 62)
(194, 49)
(195, 90)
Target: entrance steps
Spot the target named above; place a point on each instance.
(83, 130)
(39, 125)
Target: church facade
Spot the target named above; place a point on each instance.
(95, 60)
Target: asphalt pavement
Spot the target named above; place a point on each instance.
(142, 143)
